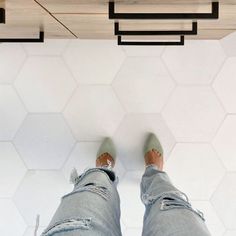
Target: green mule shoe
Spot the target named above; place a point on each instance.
(107, 146)
(152, 142)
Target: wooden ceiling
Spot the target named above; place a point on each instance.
(88, 19)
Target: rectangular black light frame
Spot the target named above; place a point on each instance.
(151, 43)
(2, 16)
(117, 31)
(163, 16)
(18, 40)
(24, 40)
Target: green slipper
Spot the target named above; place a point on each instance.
(107, 146)
(152, 142)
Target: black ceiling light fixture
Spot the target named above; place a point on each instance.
(2, 16)
(40, 39)
(214, 14)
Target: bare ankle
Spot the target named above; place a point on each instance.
(153, 157)
(105, 160)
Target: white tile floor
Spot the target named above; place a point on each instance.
(59, 99)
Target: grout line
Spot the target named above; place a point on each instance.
(23, 62)
(118, 99)
(218, 99)
(65, 48)
(175, 85)
(211, 199)
(13, 198)
(62, 58)
(68, 157)
(168, 156)
(74, 144)
(218, 128)
(120, 68)
(20, 156)
(45, 9)
(24, 49)
(218, 186)
(218, 157)
(167, 68)
(21, 213)
(112, 86)
(162, 111)
(44, 55)
(20, 98)
(219, 217)
(214, 78)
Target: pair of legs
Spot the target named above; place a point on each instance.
(93, 207)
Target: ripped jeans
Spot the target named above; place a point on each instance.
(93, 207)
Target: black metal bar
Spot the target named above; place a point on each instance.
(151, 43)
(24, 40)
(164, 16)
(2, 16)
(161, 32)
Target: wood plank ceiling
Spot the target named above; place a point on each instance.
(88, 19)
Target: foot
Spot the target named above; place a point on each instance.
(153, 157)
(153, 152)
(105, 160)
(106, 154)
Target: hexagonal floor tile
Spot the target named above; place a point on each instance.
(143, 51)
(228, 43)
(50, 47)
(84, 156)
(12, 112)
(43, 190)
(132, 133)
(193, 114)
(30, 231)
(123, 227)
(12, 223)
(225, 142)
(94, 112)
(131, 184)
(44, 141)
(48, 87)
(195, 63)
(213, 222)
(224, 202)
(195, 169)
(230, 233)
(143, 84)
(12, 57)
(225, 84)
(94, 62)
(12, 170)
(133, 231)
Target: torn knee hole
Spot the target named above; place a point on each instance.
(89, 184)
(174, 202)
(94, 188)
(168, 203)
(68, 225)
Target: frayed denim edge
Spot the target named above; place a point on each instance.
(170, 200)
(68, 225)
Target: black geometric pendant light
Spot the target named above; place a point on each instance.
(214, 14)
(40, 39)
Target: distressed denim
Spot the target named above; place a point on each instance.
(168, 211)
(93, 207)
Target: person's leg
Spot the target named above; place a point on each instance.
(93, 207)
(168, 211)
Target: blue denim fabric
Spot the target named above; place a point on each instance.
(168, 211)
(93, 207)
